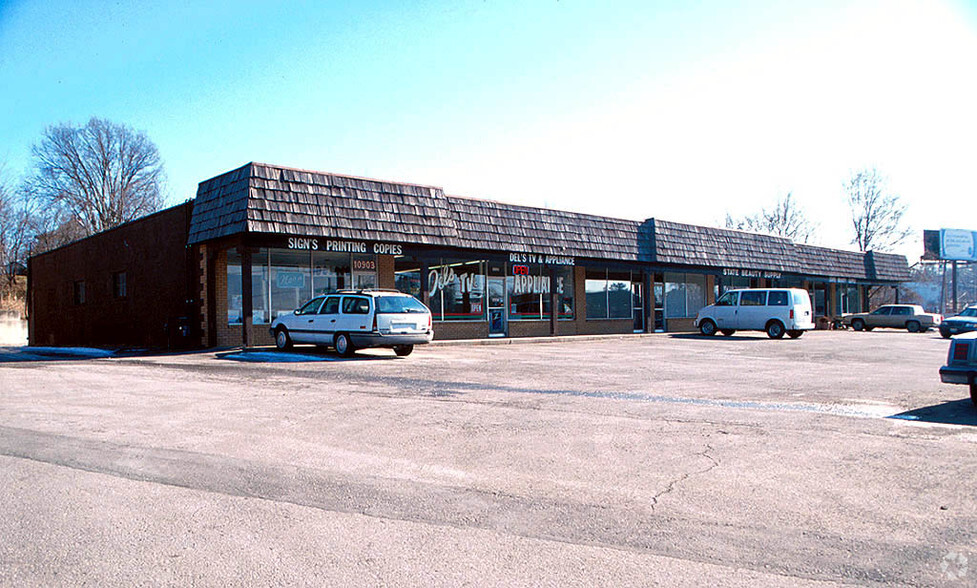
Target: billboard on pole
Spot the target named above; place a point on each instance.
(958, 245)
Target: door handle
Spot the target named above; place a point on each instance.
(310, 320)
(332, 321)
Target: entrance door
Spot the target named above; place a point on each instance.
(638, 307)
(498, 325)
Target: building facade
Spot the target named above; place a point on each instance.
(261, 239)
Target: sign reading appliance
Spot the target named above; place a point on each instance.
(541, 259)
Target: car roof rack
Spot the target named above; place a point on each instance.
(366, 290)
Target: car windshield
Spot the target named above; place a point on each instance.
(969, 312)
(399, 304)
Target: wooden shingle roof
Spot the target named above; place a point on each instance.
(261, 198)
(484, 224)
(712, 247)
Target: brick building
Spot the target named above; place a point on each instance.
(259, 240)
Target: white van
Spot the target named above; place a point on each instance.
(774, 310)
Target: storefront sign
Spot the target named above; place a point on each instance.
(743, 273)
(439, 278)
(536, 258)
(344, 246)
(290, 280)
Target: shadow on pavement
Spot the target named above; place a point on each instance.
(737, 336)
(955, 412)
(260, 355)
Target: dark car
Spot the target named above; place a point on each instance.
(964, 322)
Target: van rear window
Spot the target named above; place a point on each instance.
(778, 298)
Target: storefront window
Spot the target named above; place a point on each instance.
(259, 288)
(290, 283)
(685, 294)
(596, 289)
(564, 291)
(284, 279)
(619, 295)
(457, 290)
(330, 272)
(610, 294)
(528, 286)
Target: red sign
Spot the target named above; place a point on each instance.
(520, 270)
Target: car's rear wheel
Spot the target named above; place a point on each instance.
(403, 350)
(858, 324)
(707, 328)
(794, 334)
(775, 330)
(343, 345)
(913, 326)
(728, 332)
(282, 340)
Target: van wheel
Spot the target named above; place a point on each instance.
(795, 334)
(912, 326)
(858, 324)
(775, 330)
(403, 350)
(707, 328)
(728, 332)
(343, 345)
(282, 340)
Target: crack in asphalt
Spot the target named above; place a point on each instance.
(628, 527)
(686, 475)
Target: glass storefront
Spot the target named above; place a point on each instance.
(611, 294)
(685, 294)
(283, 279)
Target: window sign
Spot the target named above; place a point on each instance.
(286, 279)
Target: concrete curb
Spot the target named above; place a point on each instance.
(535, 340)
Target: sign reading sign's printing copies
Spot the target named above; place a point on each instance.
(958, 245)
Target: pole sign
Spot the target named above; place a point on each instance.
(958, 245)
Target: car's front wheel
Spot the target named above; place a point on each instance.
(945, 333)
(343, 345)
(973, 393)
(775, 330)
(707, 328)
(403, 350)
(858, 324)
(913, 326)
(282, 340)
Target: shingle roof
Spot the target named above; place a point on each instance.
(712, 247)
(261, 198)
(484, 224)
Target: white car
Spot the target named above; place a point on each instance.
(961, 363)
(774, 310)
(356, 319)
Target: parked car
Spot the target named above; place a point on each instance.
(961, 363)
(356, 319)
(964, 322)
(774, 310)
(911, 317)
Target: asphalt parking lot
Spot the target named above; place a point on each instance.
(650, 460)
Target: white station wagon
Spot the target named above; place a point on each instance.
(774, 310)
(356, 319)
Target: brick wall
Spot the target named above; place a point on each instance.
(153, 254)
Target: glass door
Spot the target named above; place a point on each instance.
(498, 325)
(638, 307)
(659, 285)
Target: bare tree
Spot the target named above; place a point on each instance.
(97, 176)
(14, 231)
(877, 217)
(785, 219)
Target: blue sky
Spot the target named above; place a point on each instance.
(678, 110)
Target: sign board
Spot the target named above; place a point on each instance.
(958, 245)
